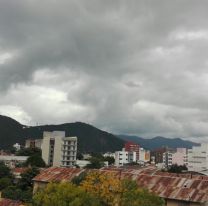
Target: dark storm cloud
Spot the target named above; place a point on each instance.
(136, 67)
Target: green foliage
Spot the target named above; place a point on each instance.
(15, 193)
(78, 179)
(110, 160)
(23, 189)
(113, 191)
(28, 152)
(35, 161)
(64, 194)
(100, 141)
(26, 178)
(95, 163)
(79, 156)
(4, 170)
(5, 182)
(133, 196)
(177, 168)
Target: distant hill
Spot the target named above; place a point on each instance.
(90, 139)
(157, 142)
(11, 132)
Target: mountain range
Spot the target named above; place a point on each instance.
(90, 138)
(158, 141)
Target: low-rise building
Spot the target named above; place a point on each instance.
(54, 174)
(33, 143)
(12, 161)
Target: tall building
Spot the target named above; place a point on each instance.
(198, 158)
(58, 150)
(132, 147)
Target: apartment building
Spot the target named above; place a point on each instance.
(180, 156)
(59, 150)
(124, 157)
(167, 159)
(198, 158)
(132, 147)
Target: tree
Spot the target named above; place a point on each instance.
(110, 160)
(113, 191)
(64, 194)
(35, 161)
(133, 196)
(104, 186)
(177, 168)
(95, 163)
(4, 170)
(77, 180)
(15, 193)
(25, 182)
(29, 152)
(80, 156)
(5, 182)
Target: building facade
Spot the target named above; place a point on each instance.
(144, 155)
(132, 147)
(198, 158)
(33, 143)
(180, 157)
(123, 157)
(58, 150)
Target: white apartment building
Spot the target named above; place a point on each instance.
(58, 150)
(167, 159)
(198, 158)
(123, 157)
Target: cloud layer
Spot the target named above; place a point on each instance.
(136, 67)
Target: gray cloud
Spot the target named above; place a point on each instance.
(137, 67)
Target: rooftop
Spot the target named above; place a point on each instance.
(184, 187)
(57, 174)
(9, 202)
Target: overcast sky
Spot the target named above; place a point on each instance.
(127, 66)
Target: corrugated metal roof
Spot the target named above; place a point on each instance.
(187, 187)
(8, 202)
(57, 174)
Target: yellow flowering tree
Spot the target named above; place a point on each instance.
(104, 186)
(115, 192)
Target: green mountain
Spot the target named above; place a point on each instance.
(158, 142)
(90, 139)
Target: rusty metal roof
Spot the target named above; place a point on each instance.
(57, 174)
(9, 202)
(184, 187)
